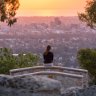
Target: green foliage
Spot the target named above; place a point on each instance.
(89, 16)
(8, 61)
(26, 60)
(8, 10)
(87, 60)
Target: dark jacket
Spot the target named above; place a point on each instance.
(48, 58)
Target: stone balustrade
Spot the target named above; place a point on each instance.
(63, 74)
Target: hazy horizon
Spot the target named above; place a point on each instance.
(45, 16)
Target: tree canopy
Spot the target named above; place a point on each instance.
(87, 60)
(8, 10)
(89, 16)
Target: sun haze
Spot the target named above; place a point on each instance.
(50, 7)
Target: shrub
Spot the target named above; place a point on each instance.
(8, 61)
(87, 60)
(26, 60)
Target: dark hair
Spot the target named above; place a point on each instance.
(48, 47)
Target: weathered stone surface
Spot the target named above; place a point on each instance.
(91, 91)
(28, 86)
(71, 91)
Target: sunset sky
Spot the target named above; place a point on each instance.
(50, 7)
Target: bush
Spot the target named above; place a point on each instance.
(9, 61)
(26, 60)
(87, 60)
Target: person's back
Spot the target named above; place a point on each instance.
(48, 56)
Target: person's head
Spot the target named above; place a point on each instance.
(48, 48)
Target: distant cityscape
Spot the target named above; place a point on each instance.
(66, 35)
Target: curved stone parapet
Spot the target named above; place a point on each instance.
(54, 70)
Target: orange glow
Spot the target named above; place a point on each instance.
(50, 7)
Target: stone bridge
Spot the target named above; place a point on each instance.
(69, 77)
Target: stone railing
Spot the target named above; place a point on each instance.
(67, 80)
(70, 75)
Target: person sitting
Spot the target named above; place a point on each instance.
(48, 56)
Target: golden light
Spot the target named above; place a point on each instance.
(50, 7)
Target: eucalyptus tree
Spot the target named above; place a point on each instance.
(89, 15)
(8, 9)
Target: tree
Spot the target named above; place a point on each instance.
(87, 60)
(8, 10)
(89, 16)
(8, 61)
